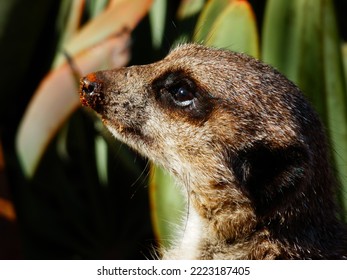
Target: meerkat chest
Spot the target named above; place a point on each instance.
(189, 239)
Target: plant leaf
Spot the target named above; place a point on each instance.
(306, 47)
(101, 156)
(295, 47)
(56, 98)
(189, 8)
(344, 57)
(235, 29)
(69, 19)
(167, 205)
(277, 32)
(7, 210)
(157, 16)
(207, 18)
(119, 16)
(187, 15)
(336, 93)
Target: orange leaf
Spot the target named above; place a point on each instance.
(57, 97)
(7, 210)
(119, 15)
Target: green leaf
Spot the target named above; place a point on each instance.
(96, 7)
(344, 57)
(167, 205)
(277, 33)
(305, 46)
(292, 43)
(157, 16)
(101, 156)
(69, 19)
(207, 18)
(336, 92)
(187, 14)
(235, 29)
(189, 8)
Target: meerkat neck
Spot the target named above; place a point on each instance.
(190, 236)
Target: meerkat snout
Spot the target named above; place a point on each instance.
(88, 87)
(91, 92)
(243, 142)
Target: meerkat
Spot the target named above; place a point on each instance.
(248, 149)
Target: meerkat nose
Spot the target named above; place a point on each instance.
(91, 91)
(87, 86)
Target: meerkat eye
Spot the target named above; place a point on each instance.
(182, 96)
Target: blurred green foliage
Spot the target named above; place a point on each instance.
(89, 198)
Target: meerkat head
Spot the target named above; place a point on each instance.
(232, 128)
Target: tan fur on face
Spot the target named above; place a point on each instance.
(248, 149)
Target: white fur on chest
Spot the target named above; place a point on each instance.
(186, 247)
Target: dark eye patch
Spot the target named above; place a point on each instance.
(181, 95)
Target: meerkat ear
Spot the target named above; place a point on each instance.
(268, 175)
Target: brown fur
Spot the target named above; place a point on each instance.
(241, 139)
